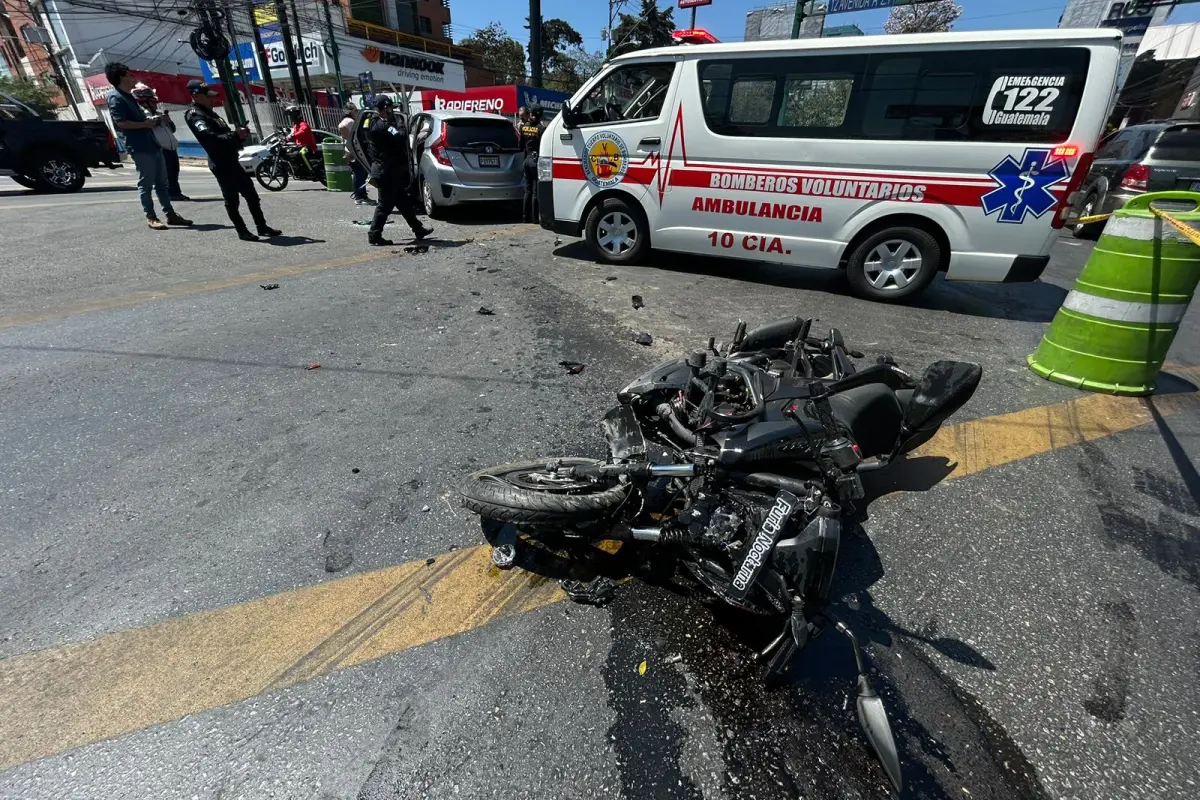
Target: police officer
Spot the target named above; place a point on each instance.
(531, 139)
(387, 143)
(222, 144)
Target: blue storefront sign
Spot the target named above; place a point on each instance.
(545, 98)
(243, 51)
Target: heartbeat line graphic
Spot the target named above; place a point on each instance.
(662, 167)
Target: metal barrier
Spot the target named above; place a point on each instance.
(1115, 327)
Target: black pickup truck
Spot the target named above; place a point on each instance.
(51, 155)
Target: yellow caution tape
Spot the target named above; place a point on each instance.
(1191, 233)
(1092, 218)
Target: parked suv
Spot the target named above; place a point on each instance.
(465, 158)
(1152, 157)
(51, 155)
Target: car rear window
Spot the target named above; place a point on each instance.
(474, 133)
(1178, 144)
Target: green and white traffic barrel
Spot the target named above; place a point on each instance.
(338, 177)
(1113, 331)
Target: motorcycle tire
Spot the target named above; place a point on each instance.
(272, 183)
(492, 494)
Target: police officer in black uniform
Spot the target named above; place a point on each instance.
(222, 144)
(531, 139)
(387, 142)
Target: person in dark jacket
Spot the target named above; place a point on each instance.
(165, 135)
(388, 148)
(531, 131)
(222, 144)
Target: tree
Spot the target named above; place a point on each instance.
(39, 98)
(499, 53)
(923, 17)
(572, 67)
(558, 38)
(650, 28)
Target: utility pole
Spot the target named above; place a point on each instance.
(260, 51)
(614, 8)
(798, 19)
(308, 98)
(51, 51)
(535, 43)
(692, 26)
(337, 65)
(241, 68)
(285, 35)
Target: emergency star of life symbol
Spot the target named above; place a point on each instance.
(1024, 187)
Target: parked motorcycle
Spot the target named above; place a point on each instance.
(284, 162)
(741, 462)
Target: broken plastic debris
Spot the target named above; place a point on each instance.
(417, 249)
(644, 338)
(268, 286)
(356, 470)
(572, 367)
(597, 591)
(637, 302)
(485, 311)
(557, 241)
(313, 366)
(430, 561)
(675, 658)
(611, 278)
(642, 668)
(425, 509)
(475, 293)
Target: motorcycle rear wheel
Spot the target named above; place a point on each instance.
(530, 493)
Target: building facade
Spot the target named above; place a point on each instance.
(1132, 17)
(776, 22)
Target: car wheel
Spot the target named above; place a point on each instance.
(617, 233)
(893, 264)
(55, 172)
(1089, 230)
(432, 209)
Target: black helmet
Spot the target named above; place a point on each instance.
(294, 112)
(535, 111)
(383, 103)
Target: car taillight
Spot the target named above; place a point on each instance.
(1136, 178)
(438, 151)
(1064, 201)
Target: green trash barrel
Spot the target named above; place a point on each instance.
(1113, 331)
(338, 177)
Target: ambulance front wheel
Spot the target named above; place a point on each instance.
(893, 264)
(617, 232)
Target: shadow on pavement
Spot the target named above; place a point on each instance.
(290, 241)
(1025, 302)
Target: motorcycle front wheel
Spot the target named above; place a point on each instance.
(271, 175)
(541, 492)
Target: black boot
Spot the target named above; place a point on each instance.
(379, 241)
(421, 232)
(246, 236)
(268, 231)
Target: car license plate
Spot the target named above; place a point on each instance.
(489, 161)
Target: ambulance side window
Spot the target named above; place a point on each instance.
(628, 93)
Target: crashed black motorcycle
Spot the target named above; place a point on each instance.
(284, 162)
(741, 462)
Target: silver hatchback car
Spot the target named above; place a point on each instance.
(465, 158)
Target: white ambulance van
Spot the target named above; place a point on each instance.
(892, 157)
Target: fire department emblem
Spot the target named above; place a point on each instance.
(605, 160)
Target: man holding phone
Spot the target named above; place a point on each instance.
(137, 131)
(222, 144)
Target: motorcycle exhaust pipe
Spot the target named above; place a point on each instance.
(646, 534)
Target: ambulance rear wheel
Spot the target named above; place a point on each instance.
(893, 264)
(617, 232)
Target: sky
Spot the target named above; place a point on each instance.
(726, 19)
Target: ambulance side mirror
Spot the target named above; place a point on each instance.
(568, 115)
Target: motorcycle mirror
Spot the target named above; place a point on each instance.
(872, 716)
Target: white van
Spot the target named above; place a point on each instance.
(892, 157)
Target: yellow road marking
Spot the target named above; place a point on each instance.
(216, 284)
(77, 694)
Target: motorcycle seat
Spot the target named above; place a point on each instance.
(873, 415)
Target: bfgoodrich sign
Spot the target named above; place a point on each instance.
(401, 66)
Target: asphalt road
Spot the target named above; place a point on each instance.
(183, 506)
